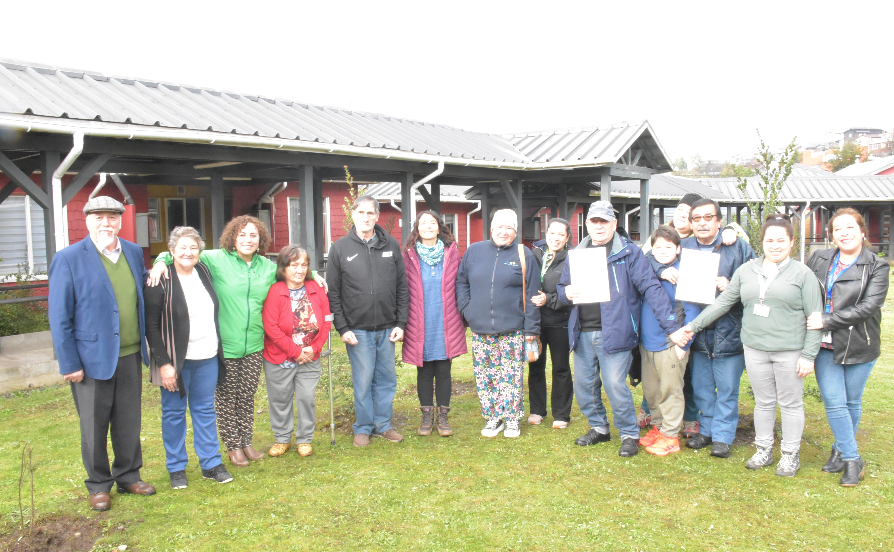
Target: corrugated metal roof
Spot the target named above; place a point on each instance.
(800, 169)
(868, 168)
(594, 145)
(829, 188)
(33, 89)
(667, 186)
(391, 190)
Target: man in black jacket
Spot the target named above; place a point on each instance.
(370, 302)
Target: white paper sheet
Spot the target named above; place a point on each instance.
(589, 273)
(698, 275)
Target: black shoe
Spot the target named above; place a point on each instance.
(699, 441)
(178, 480)
(835, 463)
(591, 438)
(720, 450)
(853, 473)
(218, 473)
(629, 447)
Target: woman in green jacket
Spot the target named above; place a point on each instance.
(242, 277)
(778, 294)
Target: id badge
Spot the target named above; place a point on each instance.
(762, 310)
(827, 338)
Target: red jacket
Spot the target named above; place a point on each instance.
(454, 328)
(278, 317)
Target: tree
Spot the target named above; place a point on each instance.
(698, 164)
(771, 176)
(680, 164)
(732, 169)
(353, 193)
(846, 156)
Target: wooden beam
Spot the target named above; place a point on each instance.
(511, 195)
(24, 181)
(84, 176)
(645, 211)
(406, 199)
(639, 153)
(307, 224)
(7, 191)
(49, 162)
(427, 197)
(435, 203)
(320, 230)
(218, 217)
(605, 187)
(485, 213)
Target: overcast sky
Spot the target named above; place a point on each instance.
(704, 74)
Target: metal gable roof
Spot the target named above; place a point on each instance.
(821, 188)
(33, 89)
(667, 186)
(867, 168)
(596, 145)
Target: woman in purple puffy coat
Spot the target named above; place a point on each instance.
(435, 332)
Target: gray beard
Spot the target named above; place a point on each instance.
(104, 240)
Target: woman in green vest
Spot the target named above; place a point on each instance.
(242, 277)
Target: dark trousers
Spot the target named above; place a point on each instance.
(437, 373)
(690, 412)
(115, 404)
(234, 400)
(556, 339)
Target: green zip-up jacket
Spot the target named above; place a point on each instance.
(793, 295)
(241, 290)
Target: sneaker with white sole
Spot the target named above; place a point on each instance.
(512, 429)
(761, 459)
(218, 473)
(535, 419)
(178, 480)
(493, 427)
(788, 465)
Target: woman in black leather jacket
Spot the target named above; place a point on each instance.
(554, 315)
(855, 283)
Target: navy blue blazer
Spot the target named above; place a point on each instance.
(83, 311)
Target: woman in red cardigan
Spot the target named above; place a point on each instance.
(435, 331)
(295, 331)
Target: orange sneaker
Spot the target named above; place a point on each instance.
(650, 437)
(664, 445)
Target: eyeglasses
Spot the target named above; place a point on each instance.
(706, 218)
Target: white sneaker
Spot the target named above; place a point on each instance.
(512, 429)
(535, 419)
(493, 427)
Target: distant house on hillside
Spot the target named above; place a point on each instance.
(852, 134)
(873, 167)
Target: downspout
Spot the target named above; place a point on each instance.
(803, 219)
(127, 199)
(468, 224)
(422, 182)
(396, 208)
(268, 198)
(102, 182)
(60, 215)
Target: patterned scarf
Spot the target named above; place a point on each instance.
(431, 254)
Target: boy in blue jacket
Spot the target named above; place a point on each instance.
(663, 362)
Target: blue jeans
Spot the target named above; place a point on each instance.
(375, 380)
(842, 389)
(592, 368)
(199, 381)
(715, 387)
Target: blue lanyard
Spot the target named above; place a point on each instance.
(832, 278)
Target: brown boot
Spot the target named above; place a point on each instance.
(428, 420)
(237, 458)
(251, 453)
(444, 427)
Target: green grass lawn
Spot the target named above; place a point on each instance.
(537, 492)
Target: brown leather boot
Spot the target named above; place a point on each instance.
(428, 420)
(251, 453)
(444, 427)
(237, 458)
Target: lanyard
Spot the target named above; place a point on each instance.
(832, 278)
(765, 282)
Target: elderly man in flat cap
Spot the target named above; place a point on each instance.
(96, 319)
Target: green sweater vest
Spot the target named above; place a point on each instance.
(126, 294)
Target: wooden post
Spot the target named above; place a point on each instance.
(217, 209)
(645, 211)
(605, 187)
(406, 200)
(485, 212)
(307, 215)
(49, 162)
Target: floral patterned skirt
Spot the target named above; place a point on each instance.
(499, 363)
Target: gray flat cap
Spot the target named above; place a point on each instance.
(602, 210)
(103, 204)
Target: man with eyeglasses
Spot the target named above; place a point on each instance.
(603, 335)
(717, 354)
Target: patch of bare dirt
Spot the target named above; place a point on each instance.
(745, 430)
(56, 534)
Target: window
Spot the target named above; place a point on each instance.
(295, 217)
(154, 221)
(185, 212)
(450, 221)
(21, 225)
